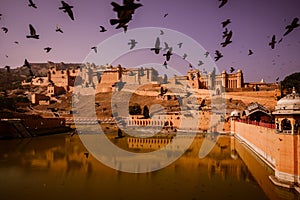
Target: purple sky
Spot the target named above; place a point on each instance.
(253, 24)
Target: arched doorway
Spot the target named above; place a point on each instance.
(286, 124)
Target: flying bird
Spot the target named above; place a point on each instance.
(277, 78)
(5, 29)
(161, 32)
(26, 64)
(218, 55)
(132, 43)
(165, 15)
(124, 13)
(280, 40)
(180, 44)
(225, 23)
(227, 39)
(31, 4)
(165, 64)
(250, 52)
(206, 54)
(184, 56)
(0, 16)
(273, 41)
(166, 46)
(200, 63)
(102, 29)
(231, 69)
(223, 2)
(67, 8)
(190, 66)
(225, 33)
(47, 49)
(16, 42)
(95, 49)
(292, 26)
(168, 54)
(58, 29)
(32, 33)
(157, 46)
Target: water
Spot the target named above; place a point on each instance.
(54, 167)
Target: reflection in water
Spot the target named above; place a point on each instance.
(54, 167)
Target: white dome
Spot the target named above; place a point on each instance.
(290, 99)
(234, 113)
(290, 104)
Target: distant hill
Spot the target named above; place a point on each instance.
(13, 78)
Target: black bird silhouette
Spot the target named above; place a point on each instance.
(7, 68)
(132, 43)
(280, 40)
(200, 63)
(292, 26)
(166, 46)
(277, 78)
(206, 54)
(165, 15)
(190, 66)
(67, 8)
(231, 69)
(102, 29)
(225, 33)
(157, 46)
(225, 23)
(124, 13)
(161, 32)
(5, 29)
(6, 56)
(165, 64)
(26, 64)
(227, 39)
(223, 2)
(250, 52)
(95, 49)
(16, 42)
(180, 44)
(86, 154)
(168, 54)
(31, 4)
(0, 16)
(184, 56)
(273, 41)
(47, 49)
(58, 29)
(32, 33)
(218, 55)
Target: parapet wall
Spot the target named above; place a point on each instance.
(279, 151)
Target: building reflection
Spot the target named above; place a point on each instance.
(61, 161)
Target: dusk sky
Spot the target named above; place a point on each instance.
(253, 23)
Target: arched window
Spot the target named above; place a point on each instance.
(286, 124)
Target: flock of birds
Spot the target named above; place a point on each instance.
(124, 14)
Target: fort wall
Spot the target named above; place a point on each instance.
(280, 151)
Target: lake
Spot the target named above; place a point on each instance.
(56, 167)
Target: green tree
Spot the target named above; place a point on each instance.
(291, 81)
